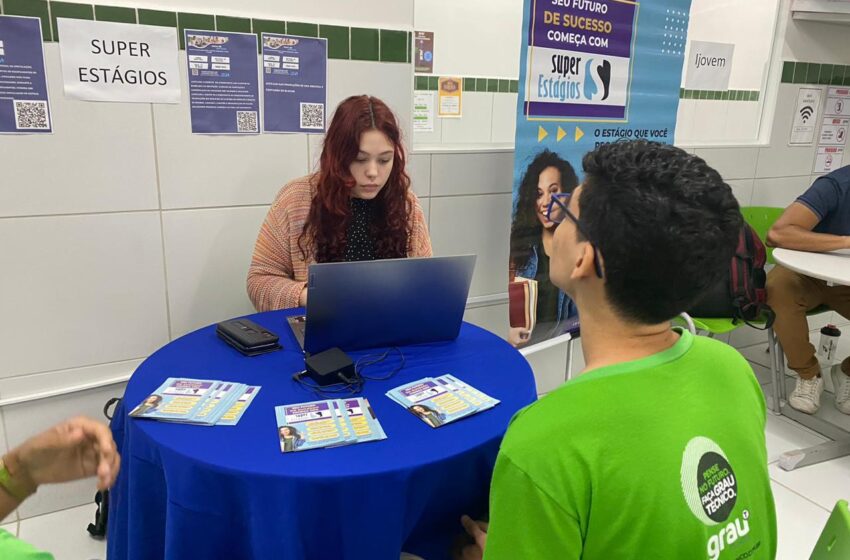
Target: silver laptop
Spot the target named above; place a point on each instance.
(392, 302)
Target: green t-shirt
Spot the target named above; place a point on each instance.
(14, 549)
(663, 457)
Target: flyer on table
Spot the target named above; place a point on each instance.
(308, 426)
(224, 93)
(232, 416)
(295, 78)
(432, 402)
(363, 420)
(177, 399)
(24, 103)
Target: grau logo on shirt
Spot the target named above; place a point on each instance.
(711, 491)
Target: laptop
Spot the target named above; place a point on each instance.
(391, 302)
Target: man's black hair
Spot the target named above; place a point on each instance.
(664, 222)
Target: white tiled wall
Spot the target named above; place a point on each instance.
(476, 125)
(459, 173)
(368, 13)
(504, 118)
(489, 120)
(731, 163)
(80, 290)
(207, 253)
(99, 158)
(479, 225)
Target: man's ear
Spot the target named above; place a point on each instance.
(584, 266)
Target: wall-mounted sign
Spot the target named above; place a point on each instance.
(805, 116)
(103, 61)
(423, 55)
(450, 91)
(709, 66)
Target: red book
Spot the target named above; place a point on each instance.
(522, 303)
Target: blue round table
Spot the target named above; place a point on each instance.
(227, 491)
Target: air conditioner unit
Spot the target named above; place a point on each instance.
(828, 11)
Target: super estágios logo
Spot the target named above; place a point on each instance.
(711, 492)
(576, 77)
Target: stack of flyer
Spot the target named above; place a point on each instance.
(440, 400)
(330, 423)
(206, 402)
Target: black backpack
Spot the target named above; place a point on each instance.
(742, 294)
(101, 498)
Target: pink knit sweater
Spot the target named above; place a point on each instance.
(278, 270)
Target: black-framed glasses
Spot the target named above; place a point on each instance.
(559, 210)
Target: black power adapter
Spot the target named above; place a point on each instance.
(329, 367)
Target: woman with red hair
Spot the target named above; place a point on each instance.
(357, 207)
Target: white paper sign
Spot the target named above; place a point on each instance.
(833, 131)
(805, 116)
(709, 65)
(837, 102)
(828, 159)
(103, 61)
(423, 111)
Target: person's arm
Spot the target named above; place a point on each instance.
(420, 240)
(271, 279)
(526, 523)
(793, 229)
(77, 448)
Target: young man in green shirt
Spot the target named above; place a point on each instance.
(658, 449)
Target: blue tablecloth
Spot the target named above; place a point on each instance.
(194, 492)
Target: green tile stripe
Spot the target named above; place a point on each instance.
(68, 10)
(344, 43)
(32, 8)
(816, 73)
(728, 95)
(428, 82)
(113, 14)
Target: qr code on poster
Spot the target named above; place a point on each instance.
(313, 116)
(31, 115)
(246, 121)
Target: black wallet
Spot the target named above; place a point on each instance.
(247, 337)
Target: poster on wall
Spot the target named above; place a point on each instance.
(295, 83)
(120, 62)
(837, 102)
(224, 93)
(709, 65)
(450, 94)
(591, 72)
(423, 58)
(24, 103)
(833, 131)
(828, 159)
(805, 116)
(423, 111)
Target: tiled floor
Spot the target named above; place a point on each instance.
(804, 498)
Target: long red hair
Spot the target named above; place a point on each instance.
(330, 212)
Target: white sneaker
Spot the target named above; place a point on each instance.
(842, 389)
(806, 395)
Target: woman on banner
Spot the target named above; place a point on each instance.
(531, 243)
(358, 206)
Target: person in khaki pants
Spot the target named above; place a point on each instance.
(819, 221)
